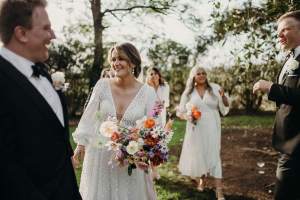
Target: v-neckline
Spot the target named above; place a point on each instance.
(128, 106)
(201, 97)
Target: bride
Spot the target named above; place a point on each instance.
(128, 100)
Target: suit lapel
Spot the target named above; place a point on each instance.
(284, 78)
(285, 60)
(64, 106)
(298, 59)
(32, 92)
(296, 71)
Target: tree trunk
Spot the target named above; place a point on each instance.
(97, 67)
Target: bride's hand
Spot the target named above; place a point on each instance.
(142, 165)
(78, 155)
(155, 174)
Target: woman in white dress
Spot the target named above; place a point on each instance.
(128, 100)
(155, 80)
(200, 154)
(162, 90)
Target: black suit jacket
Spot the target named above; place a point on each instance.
(34, 146)
(286, 135)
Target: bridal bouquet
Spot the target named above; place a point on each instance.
(142, 146)
(193, 113)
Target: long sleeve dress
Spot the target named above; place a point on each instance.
(200, 153)
(99, 179)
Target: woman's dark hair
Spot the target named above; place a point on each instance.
(156, 70)
(130, 53)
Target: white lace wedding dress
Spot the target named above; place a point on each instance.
(99, 180)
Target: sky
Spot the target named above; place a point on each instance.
(59, 17)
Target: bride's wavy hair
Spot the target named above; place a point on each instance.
(190, 83)
(128, 52)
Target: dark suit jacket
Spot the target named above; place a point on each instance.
(286, 136)
(34, 146)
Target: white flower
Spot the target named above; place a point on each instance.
(140, 142)
(132, 147)
(154, 134)
(113, 145)
(107, 128)
(140, 123)
(58, 79)
(292, 64)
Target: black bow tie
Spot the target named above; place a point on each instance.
(292, 52)
(39, 69)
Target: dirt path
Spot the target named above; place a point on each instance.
(243, 150)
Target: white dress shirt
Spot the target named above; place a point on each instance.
(42, 84)
(285, 67)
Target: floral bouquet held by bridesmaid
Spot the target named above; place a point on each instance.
(193, 113)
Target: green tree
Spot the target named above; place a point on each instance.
(101, 10)
(168, 53)
(75, 57)
(257, 58)
(172, 59)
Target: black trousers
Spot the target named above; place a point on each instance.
(288, 178)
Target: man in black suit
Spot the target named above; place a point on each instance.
(286, 94)
(34, 139)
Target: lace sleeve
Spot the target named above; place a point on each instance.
(87, 126)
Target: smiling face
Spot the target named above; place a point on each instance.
(200, 77)
(152, 76)
(39, 36)
(120, 64)
(289, 33)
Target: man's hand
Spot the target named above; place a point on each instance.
(263, 86)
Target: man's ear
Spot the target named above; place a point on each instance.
(20, 34)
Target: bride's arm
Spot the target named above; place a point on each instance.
(86, 128)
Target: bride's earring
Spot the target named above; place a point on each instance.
(195, 84)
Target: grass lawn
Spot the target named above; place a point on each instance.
(176, 187)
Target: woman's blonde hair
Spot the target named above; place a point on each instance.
(190, 83)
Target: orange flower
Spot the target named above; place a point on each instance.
(149, 123)
(196, 113)
(149, 140)
(115, 136)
